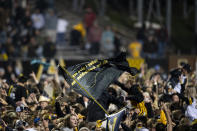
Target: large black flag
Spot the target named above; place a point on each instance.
(95, 76)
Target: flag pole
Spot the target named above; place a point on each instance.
(85, 90)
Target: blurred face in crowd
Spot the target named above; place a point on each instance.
(85, 99)
(147, 98)
(27, 13)
(175, 98)
(63, 105)
(73, 121)
(33, 41)
(160, 90)
(185, 72)
(150, 38)
(125, 79)
(37, 11)
(2, 91)
(43, 104)
(37, 32)
(72, 110)
(149, 89)
(9, 40)
(49, 39)
(51, 12)
(96, 24)
(9, 68)
(108, 28)
(2, 72)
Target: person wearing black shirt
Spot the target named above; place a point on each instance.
(109, 96)
(134, 92)
(21, 91)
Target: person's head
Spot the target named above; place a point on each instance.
(149, 89)
(33, 41)
(74, 109)
(112, 91)
(165, 98)
(37, 11)
(108, 28)
(63, 103)
(9, 40)
(191, 92)
(49, 39)
(150, 38)
(44, 102)
(89, 10)
(72, 121)
(96, 24)
(72, 97)
(175, 98)
(175, 106)
(186, 68)
(37, 32)
(20, 125)
(22, 79)
(160, 88)
(2, 72)
(126, 79)
(85, 99)
(147, 97)
(51, 12)
(27, 13)
(176, 75)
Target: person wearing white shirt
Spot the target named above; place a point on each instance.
(38, 20)
(191, 111)
(61, 30)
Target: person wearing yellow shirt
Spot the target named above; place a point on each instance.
(135, 49)
(80, 27)
(78, 34)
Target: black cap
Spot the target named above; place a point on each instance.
(22, 78)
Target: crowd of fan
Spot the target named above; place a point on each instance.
(94, 38)
(150, 42)
(33, 30)
(30, 103)
(22, 29)
(170, 100)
